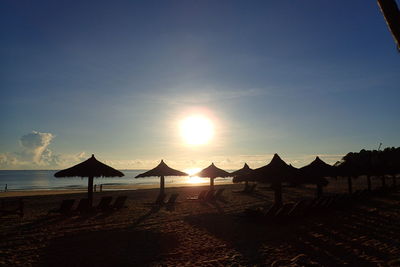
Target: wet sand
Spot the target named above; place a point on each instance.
(365, 233)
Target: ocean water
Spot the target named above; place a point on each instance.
(45, 180)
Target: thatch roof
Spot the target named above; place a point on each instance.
(89, 168)
(245, 170)
(238, 174)
(277, 171)
(391, 13)
(162, 170)
(315, 172)
(212, 172)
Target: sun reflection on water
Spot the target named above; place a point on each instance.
(195, 179)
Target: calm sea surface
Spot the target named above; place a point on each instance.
(45, 180)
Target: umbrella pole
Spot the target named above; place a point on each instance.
(319, 191)
(350, 183)
(278, 194)
(90, 191)
(211, 183)
(369, 183)
(162, 184)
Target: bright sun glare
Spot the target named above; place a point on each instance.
(197, 130)
(194, 179)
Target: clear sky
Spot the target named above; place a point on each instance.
(116, 78)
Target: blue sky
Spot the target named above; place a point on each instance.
(300, 78)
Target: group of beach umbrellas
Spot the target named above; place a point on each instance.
(276, 173)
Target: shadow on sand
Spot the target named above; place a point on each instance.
(334, 238)
(108, 248)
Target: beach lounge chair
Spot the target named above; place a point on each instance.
(282, 213)
(119, 202)
(251, 188)
(160, 199)
(201, 196)
(209, 196)
(16, 211)
(83, 206)
(299, 208)
(104, 204)
(218, 193)
(172, 199)
(65, 207)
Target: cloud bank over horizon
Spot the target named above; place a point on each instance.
(34, 153)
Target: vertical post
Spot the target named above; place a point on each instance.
(369, 183)
(350, 183)
(90, 191)
(211, 183)
(278, 194)
(319, 190)
(162, 184)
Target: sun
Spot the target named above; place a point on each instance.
(196, 130)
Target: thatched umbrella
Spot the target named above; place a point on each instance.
(315, 173)
(161, 171)
(392, 16)
(275, 173)
(245, 170)
(90, 168)
(212, 172)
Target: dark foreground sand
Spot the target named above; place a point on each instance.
(367, 233)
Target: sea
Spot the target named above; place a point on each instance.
(20, 180)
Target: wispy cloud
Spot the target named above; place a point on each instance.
(203, 95)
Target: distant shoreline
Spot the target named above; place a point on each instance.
(106, 188)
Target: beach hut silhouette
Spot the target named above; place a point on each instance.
(212, 172)
(89, 168)
(315, 173)
(245, 170)
(162, 170)
(275, 173)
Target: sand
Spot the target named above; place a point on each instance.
(365, 233)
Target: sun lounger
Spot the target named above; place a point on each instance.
(282, 212)
(299, 208)
(251, 188)
(201, 196)
(172, 199)
(65, 207)
(160, 199)
(16, 211)
(83, 206)
(218, 194)
(119, 202)
(104, 204)
(210, 196)
(247, 190)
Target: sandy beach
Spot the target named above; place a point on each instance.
(194, 233)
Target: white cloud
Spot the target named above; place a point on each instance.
(35, 154)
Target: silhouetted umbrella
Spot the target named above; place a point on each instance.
(275, 173)
(245, 170)
(161, 171)
(90, 168)
(315, 173)
(212, 172)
